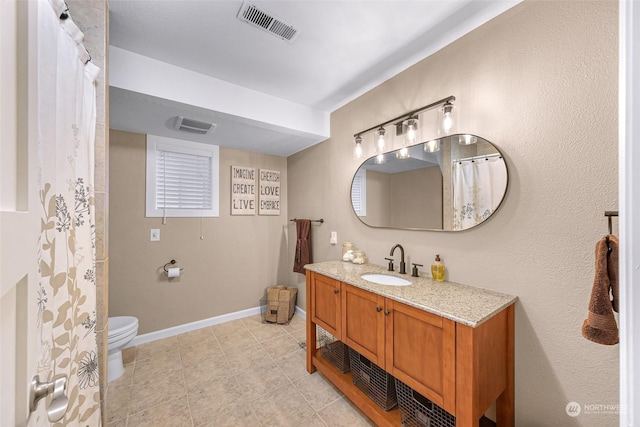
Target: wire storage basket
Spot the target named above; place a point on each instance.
(374, 381)
(333, 350)
(418, 411)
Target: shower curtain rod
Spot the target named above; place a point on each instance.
(486, 156)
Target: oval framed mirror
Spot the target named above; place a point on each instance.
(450, 184)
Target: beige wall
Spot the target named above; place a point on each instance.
(540, 82)
(225, 272)
(416, 198)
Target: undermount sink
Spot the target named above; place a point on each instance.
(384, 279)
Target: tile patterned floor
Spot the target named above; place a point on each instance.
(239, 373)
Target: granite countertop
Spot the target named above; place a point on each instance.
(461, 303)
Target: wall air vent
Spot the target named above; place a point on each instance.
(193, 126)
(266, 21)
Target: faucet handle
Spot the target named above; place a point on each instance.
(414, 271)
(390, 263)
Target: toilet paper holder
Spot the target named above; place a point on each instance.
(172, 262)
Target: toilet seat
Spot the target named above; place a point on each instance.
(121, 325)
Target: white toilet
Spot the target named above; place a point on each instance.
(122, 329)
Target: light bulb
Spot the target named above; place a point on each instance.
(467, 140)
(358, 149)
(412, 128)
(381, 140)
(447, 117)
(379, 159)
(447, 122)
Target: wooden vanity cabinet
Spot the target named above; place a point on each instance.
(459, 368)
(414, 346)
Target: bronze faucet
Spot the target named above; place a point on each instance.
(402, 264)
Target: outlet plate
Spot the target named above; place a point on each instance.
(154, 236)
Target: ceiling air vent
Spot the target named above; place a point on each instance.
(193, 126)
(251, 14)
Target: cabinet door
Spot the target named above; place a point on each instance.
(325, 303)
(363, 323)
(421, 352)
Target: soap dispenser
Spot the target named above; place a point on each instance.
(437, 270)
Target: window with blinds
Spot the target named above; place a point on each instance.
(359, 193)
(182, 178)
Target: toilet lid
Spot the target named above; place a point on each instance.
(121, 324)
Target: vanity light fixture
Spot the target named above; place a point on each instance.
(432, 146)
(410, 127)
(380, 132)
(407, 124)
(446, 121)
(379, 159)
(358, 149)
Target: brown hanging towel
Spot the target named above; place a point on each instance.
(600, 326)
(303, 245)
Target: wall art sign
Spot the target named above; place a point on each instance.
(243, 190)
(269, 192)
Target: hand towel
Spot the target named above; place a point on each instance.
(613, 270)
(303, 245)
(600, 326)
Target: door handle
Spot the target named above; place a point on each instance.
(57, 389)
(387, 312)
(378, 309)
(336, 291)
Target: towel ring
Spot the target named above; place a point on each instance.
(172, 262)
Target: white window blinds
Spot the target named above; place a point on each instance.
(182, 178)
(183, 181)
(359, 193)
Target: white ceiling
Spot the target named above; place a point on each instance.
(343, 49)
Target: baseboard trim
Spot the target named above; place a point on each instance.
(188, 327)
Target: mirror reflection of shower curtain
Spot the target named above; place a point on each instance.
(478, 187)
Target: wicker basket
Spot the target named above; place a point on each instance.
(418, 411)
(374, 381)
(279, 304)
(334, 351)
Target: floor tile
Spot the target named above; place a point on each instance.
(156, 389)
(254, 321)
(144, 351)
(213, 399)
(294, 365)
(239, 373)
(153, 366)
(281, 346)
(241, 417)
(128, 355)
(267, 332)
(118, 403)
(228, 328)
(283, 407)
(317, 390)
(240, 360)
(173, 413)
(261, 380)
(342, 414)
(238, 340)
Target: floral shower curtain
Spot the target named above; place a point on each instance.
(477, 190)
(66, 293)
